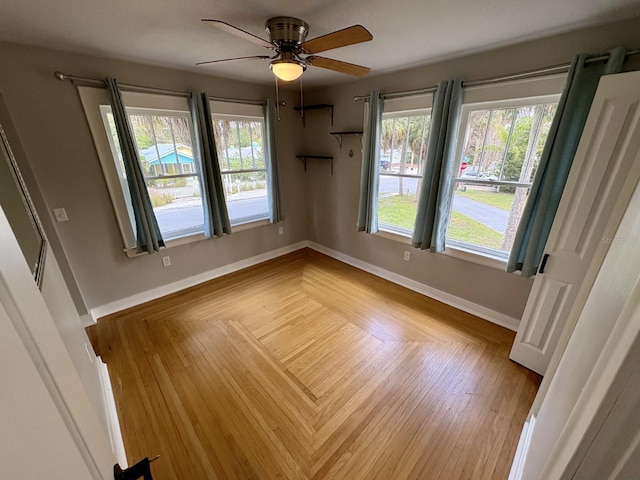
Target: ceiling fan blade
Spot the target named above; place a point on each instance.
(239, 32)
(338, 66)
(341, 38)
(255, 57)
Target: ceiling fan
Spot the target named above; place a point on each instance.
(293, 53)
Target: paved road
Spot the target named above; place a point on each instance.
(173, 219)
(492, 217)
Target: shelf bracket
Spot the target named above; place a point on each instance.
(303, 110)
(338, 136)
(304, 158)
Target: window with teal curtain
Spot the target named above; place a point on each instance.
(244, 136)
(215, 208)
(368, 208)
(435, 195)
(273, 190)
(148, 236)
(557, 157)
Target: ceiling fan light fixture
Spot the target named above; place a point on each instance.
(287, 70)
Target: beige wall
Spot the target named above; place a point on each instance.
(333, 200)
(48, 116)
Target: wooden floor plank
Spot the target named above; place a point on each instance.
(306, 368)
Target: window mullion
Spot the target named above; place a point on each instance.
(422, 144)
(250, 128)
(484, 141)
(175, 148)
(155, 143)
(508, 144)
(239, 145)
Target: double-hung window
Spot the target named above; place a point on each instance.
(403, 146)
(503, 130)
(164, 139)
(164, 136)
(170, 161)
(239, 131)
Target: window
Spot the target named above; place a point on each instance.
(165, 146)
(502, 133)
(164, 135)
(403, 147)
(499, 146)
(239, 141)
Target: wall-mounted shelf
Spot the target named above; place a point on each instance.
(338, 136)
(306, 108)
(304, 159)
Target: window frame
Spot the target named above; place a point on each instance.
(467, 108)
(508, 91)
(401, 107)
(244, 113)
(92, 98)
(511, 94)
(159, 112)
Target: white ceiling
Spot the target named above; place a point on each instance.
(405, 32)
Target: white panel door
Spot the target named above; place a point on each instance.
(604, 172)
(38, 380)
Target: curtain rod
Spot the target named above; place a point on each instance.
(159, 91)
(538, 72)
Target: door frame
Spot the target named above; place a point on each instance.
(36, 328)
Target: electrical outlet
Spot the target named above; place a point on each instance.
(406, 256)
(60, 214)
(281, 231)
(166, 261)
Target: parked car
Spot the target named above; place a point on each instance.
(478, 176)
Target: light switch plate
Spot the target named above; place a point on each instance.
(60, 214)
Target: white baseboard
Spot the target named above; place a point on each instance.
(87, 320)
(517, 467)
(158, 292)
(115, 434)
(457, 302)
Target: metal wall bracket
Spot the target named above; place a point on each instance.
(304, 159)
(304, 108)
(338, 136)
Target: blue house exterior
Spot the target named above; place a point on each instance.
(168, 159)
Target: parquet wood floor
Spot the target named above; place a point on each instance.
(306, 368)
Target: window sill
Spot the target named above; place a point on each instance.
(196, 237)
(175, 242)
(475, 257)
(250, 224)
(395, 236)
(456, 252)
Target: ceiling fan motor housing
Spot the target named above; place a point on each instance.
(286, 30)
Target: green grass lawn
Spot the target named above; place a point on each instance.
(398, 210)
(465, 229)
(401, 211)
(500, 200)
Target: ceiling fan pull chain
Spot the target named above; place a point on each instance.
(277, 99)
(301, 100)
